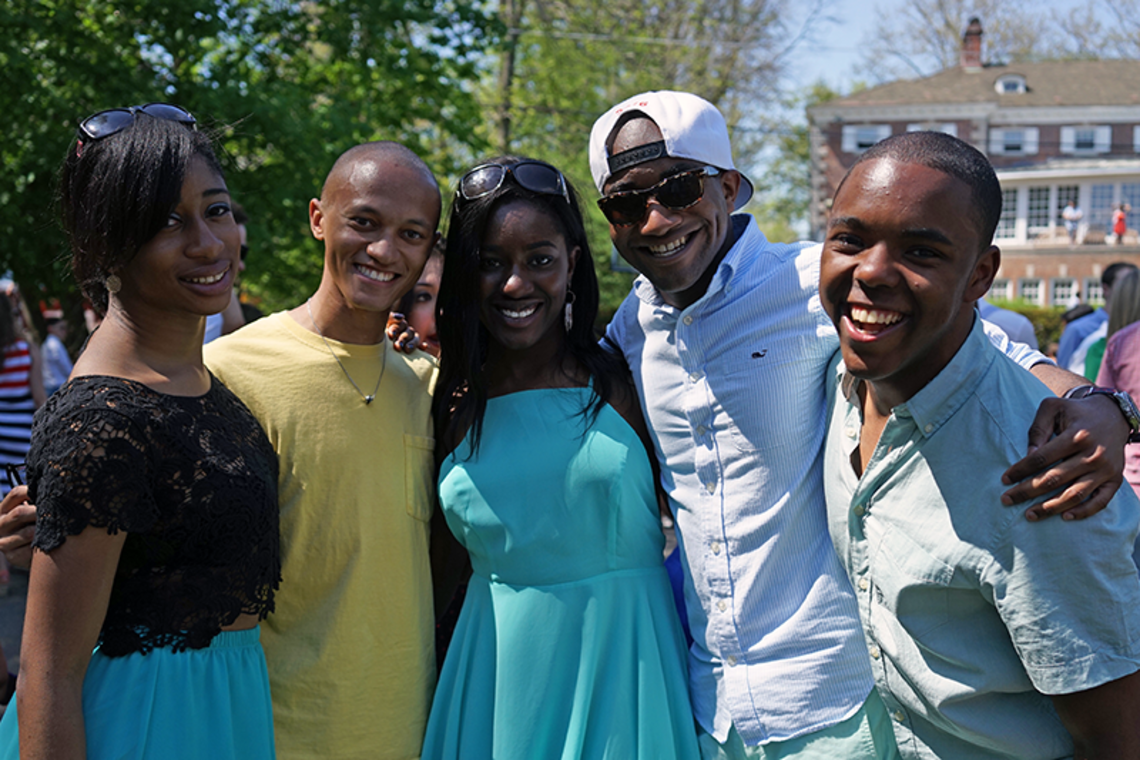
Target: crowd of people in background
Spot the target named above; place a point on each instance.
(246, 537)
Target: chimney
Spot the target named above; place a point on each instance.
(972, 46)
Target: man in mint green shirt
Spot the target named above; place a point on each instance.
(989, 636)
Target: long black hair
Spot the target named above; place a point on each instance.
(117, 192)
(460, 399)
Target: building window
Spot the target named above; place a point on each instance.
(858, 137)
(1136, 139)
(1087, 140)
(1020, 141)
(949, 128)
(1039, 220)
(1066, 193)
(1094, 291)
(1007, 222)
(1064, 291)
(1010, 84)
(1099, 214)
(1001, 290)
(1130, 194)
(1030, 290)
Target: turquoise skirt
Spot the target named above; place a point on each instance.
(197, 704)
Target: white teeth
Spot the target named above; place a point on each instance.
(372, 274)
(208, 280)
(510, 314)
(676, 245)
(875, 317)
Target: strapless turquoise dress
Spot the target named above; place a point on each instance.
(568, 644)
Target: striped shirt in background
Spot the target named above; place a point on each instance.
(16, 407)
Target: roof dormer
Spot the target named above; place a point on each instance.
(1011, 84)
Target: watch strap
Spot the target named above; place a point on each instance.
(1123, 400)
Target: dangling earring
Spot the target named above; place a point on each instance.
(568, 314)
(113, 284)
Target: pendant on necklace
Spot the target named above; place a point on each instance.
(368, 400)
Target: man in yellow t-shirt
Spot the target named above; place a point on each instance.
(350, 645)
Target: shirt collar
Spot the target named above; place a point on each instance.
(745, 229)
(932, 406)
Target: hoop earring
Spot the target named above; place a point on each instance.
(568, 313)
(113, 284)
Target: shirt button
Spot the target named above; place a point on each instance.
(695, 376)
(875, 653)
(711, 486)
(858, 510)
(863, 584)
(716, 547)
(899, 716)
(700, 430)
(721, 605)
(730, 660)
(850, 431)
(928, 428)
(688, 319)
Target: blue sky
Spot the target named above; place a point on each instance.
(834, 55)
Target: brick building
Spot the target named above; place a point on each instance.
(1055, 131)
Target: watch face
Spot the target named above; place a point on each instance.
(1128, 409)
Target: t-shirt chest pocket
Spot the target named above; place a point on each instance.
(418, 469)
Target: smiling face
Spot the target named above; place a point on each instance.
(678, 250)
(189, 266)
(377, 218)
(422, 314)
(524, 270)
(902, 266)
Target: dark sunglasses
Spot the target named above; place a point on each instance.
(626, 208)
(115, 120)
(536, 176)
(15, 473)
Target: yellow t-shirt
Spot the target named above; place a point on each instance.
(350, 647)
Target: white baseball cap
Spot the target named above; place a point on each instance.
(693, 128)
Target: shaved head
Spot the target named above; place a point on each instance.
(634, 131)
(382, 154)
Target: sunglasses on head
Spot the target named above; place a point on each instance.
(536, 176)
(626, 208)
(115, 120)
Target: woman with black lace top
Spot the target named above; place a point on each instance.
(156, 532)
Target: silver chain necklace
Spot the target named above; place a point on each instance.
(383, 359)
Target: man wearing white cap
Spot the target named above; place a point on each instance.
(728, 346)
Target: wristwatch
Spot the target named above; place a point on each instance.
(1122, 399)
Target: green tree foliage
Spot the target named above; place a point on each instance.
(287, 86)
(783, 190)
(570, 60)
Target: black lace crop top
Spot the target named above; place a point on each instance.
(193, 483)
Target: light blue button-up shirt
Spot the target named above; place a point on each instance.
(734, 390)
(971, 613)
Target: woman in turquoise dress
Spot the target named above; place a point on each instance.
(568, 644)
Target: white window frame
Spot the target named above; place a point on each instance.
(1028, 143)
(1031, 284)
(1094, 291)
(1017, 80)
(946, 128)
(1101, 140)
(1001, 290)
(1070, 285)
(853, 132)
